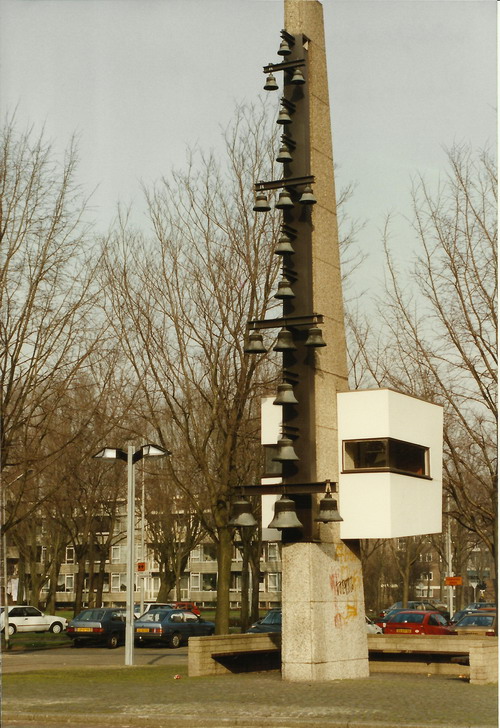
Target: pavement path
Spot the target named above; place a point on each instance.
(92, 688)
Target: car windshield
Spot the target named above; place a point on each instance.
(405, 617)
(91, 615)
(477, 620)
(272, 618)
(155, 615)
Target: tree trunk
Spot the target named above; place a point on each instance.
(79, 582)
(245, 588)
(224, 558)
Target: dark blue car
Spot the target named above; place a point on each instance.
(270, 623)
(171, 627)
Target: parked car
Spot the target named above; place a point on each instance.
(190, 606)
(24, 618)
(105, 626)
(417, 621)
(371, 627)
(472, 608)
(172, 627)
(415, 604)
(152, 605)
(480, 605)
(272, 623)
(482, 622)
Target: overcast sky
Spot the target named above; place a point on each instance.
(140, 80)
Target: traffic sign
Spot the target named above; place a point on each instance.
(141, 566)
(453, 581)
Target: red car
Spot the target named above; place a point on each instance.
(190, 606)
(416, 621)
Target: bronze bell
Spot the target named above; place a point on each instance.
(297, 78)
(270, 84)
(284, 49)
(284, 246)
(314, 337)
(284, 156)
(255, 344)
(328, 511)
(261, 203)
(307, 197)
(284, 201)
(242, 516)
(285, 515)
(284, 289)
(284, 342)
(286, 453)
(283, 117)
(285, 394)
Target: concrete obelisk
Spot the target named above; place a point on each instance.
(324, 633)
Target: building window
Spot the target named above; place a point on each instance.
(273, 551)
(115, 554)
(70, 555)
(209, 582)
(209, 552)
(195, 582)
(235, 582)
(272, 468)
(426, 576)
(274, 582)
(385, 454)
(69, 583)
(425, 557)
(195, 554)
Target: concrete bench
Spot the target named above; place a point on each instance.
(221, 654)
(423, 653)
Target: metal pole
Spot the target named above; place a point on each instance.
(129, 626)
(4, 565)
(143, 555)
(449, 564)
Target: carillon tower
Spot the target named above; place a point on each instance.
(324, 633)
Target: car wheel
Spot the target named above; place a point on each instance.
(56, 628)
(112, 641)
(12, 629)
(175, 640)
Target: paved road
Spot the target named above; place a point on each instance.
(60, 658)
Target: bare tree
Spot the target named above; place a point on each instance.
(437, 338)
(48, 335)
(180, 303)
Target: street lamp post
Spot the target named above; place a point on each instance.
(131, 457)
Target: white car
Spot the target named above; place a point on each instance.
(30, 619)
(372, 628)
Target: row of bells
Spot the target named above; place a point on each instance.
(284, 201)
(284, 342)
(297, 79)
(285, 515)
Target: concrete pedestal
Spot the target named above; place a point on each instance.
(324, 633)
